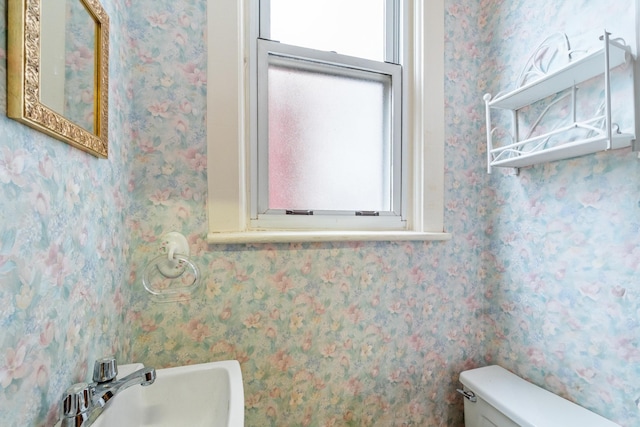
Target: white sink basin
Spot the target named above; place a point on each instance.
(207, 394)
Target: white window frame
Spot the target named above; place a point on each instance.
(229, 129)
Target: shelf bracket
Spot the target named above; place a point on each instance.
(607, 89)
(635, 144)
(487, 109)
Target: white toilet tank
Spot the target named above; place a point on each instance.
(494, 397)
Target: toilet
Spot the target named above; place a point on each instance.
(494, 397)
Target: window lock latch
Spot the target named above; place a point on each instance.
(367, 213)
(299, 212)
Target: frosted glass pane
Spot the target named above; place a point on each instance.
(349, 27)
(328, 147)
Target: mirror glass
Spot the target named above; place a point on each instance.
(68, 61)
(58, 70)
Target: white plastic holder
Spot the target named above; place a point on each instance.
(173, 243)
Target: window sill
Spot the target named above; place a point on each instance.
(322, 236)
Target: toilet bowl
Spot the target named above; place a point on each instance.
(494, 397)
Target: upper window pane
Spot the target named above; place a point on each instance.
(349, 27)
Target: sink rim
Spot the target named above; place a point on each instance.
(232, 367)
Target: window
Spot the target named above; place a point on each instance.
(309, 144)
(326, 140)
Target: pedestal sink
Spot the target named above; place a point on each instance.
(202, 395)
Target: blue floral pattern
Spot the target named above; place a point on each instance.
(540, 276)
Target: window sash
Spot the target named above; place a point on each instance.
(305, 59)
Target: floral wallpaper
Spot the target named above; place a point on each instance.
(327, 334)
(565, 236)
(64, 252)
(539, 275)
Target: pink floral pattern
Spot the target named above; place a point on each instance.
(540, 276)
(63, 257)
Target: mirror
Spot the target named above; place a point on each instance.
(58, 70)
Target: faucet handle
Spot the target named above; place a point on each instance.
(105, 370)
(76, 401)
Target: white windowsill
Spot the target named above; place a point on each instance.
(322, 236)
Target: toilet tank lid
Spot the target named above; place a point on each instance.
(525, 403)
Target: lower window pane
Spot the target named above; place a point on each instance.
(329, 145)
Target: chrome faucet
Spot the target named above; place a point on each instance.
(83, 403)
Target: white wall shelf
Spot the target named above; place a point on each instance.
(565, 151)
(598, 133)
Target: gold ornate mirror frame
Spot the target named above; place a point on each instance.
(23, 78)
